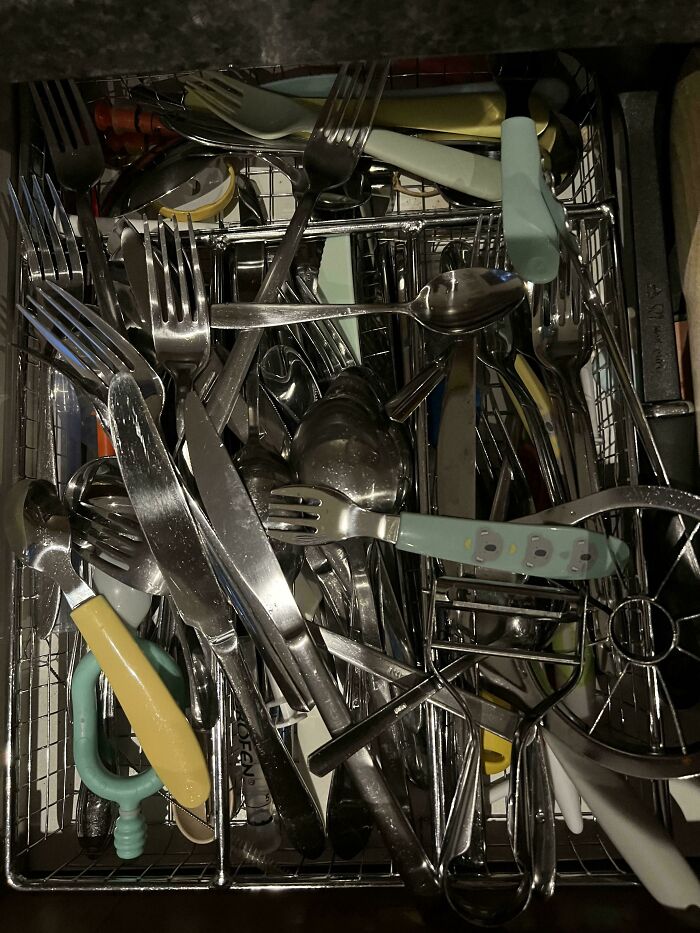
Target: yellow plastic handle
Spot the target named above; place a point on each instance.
(496, 750)
(165, 735)
(466, 115)
(541, 399)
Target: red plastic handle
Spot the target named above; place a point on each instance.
(129, 120)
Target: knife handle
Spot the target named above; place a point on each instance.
(558, 553)
(296, 805)
(462, 171)
(360, 734)
(164, 733)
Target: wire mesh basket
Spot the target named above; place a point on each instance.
(41, 849)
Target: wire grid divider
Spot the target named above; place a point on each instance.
(41, 850)
(45, 782)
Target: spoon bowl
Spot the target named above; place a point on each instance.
(37, 527)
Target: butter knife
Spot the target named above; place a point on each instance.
(226, 500)
(173, 536)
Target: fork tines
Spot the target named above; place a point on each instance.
(177, 299)
(349, 110)
(48, 254)
(294, 514)
(64, 115)
(92, 348)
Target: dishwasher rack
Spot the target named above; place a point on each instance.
(41, 849)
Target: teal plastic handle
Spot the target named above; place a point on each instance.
(558, 552)
(128, 792)
(531, 235)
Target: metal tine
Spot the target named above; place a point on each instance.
(297, 491)
(333, 129)
(83, 128)
(37, 230)
(376, 79)
(100, 552)
(67, 227)
(48, 123)
(110, 356)
(345, 126)
(90, 371)
(304, 539)
(58, 256)
(29, 246)
(114, 523)
(323, 119)
(153, 296)
(113, 341)
(70, 344)
(171, 313)
(102, 540)
(184, 287)
(76, 372)
(101, 531)
(200, 295)
(295, 515)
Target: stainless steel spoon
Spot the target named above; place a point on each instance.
(459, 302)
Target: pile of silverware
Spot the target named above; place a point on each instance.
(427, 514)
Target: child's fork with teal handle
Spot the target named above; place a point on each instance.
(308, 515)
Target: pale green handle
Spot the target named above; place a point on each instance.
(556, 552)
(127, 791)
(531, 235)
(462, 171)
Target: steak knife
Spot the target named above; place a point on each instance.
(230, 510)
(173, 536)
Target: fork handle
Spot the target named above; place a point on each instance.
(228, 386)
(541, 550)
(99, 267)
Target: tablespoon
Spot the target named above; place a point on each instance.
(458, 302)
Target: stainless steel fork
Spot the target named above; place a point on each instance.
(181, 335)
(562, 337)
(330, 158)
(49, 254)
(79, 163)
(92, 351)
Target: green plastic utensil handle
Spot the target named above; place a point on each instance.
(531, 235)
(128, 792)
(556, 552)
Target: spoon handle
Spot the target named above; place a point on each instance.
(254, 316)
